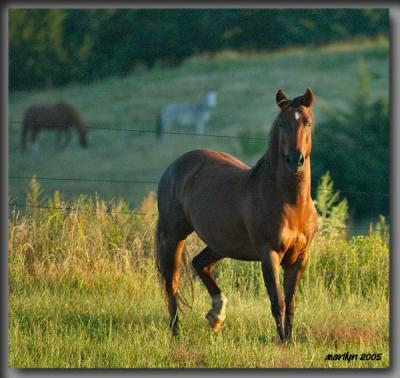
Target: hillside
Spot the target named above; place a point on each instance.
(246, 86)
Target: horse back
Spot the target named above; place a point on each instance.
(60, 115)
(185, 114)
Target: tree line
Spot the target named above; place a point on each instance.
(57, 46)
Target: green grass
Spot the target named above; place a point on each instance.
(84, 292)
(123, 325)
(246, 85)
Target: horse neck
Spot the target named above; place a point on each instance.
(78, 123)
(273, 177)
(295, 188)
(203, 104)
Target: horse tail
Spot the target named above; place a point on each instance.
(163, 261)
(160, 262)
(169, 255)
(159, 127)
(169, 251)
(165, 255)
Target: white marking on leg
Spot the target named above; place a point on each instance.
(217, 311)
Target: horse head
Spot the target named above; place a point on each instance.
(295, 123)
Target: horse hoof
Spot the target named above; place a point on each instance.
(215, 324)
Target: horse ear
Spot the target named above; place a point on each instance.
(281, 99)
(308, 98)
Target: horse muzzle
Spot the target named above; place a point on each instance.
(295, 161)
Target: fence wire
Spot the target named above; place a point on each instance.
(323, 143)
(154, 182)
(112, 211)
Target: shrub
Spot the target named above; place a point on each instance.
(57, 46)
(252, 142)
(361, 164)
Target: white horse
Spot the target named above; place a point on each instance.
(196, 114)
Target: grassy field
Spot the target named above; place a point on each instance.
(84, 292)
(246, 85)
(83, 288)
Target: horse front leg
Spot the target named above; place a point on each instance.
(270, 266)
(291, 281)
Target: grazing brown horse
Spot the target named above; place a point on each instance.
(60, 118)
(264, 213)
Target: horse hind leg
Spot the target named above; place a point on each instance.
(202, 264)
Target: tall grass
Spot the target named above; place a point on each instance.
(84, 293)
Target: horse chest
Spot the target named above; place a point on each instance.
(291, 245)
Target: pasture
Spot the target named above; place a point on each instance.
(246, 85)
(84, 291)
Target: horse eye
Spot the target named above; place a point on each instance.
(308, 123)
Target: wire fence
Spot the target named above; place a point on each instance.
(68, 208)
(147, 131)
(154, 182)
(133, 212)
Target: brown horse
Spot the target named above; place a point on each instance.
(60, 118)
(264, 213)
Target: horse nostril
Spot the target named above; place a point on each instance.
(301, 160)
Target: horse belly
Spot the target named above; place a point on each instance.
(185, 118)
(225, 236)
(178, 114)
(227, 245)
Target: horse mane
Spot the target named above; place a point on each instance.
(273, 143)
(268, 160)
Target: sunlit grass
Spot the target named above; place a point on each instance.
(84, 292)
